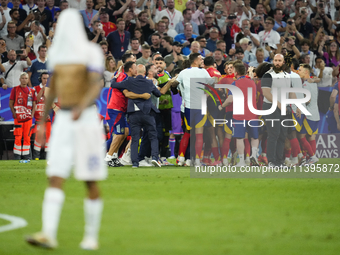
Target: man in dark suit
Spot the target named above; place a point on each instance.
(141, 112)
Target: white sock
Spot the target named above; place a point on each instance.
(114, 155)
(225, 161)
(300, 155)
(264, 154)
(295, 160)
(254, 152)
(197, 161)
(287, 159)
(51, 209)
(108, 157)
(93, 212)
(241, 157)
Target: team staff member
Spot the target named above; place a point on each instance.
(276, 78)
(140, 110)
(165, 106)
(22, 103)
(39, 93)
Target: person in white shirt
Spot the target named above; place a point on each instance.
(193, 116)
(242, 12)
(38, 36)
(174, 15)
(6, 10)
(29, 6)
(10, 78)
(323, 72)
(77, 4)
(268, 35)
(311, 122)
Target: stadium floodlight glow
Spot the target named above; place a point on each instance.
(238, 100)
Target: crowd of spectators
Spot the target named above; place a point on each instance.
(252, 31)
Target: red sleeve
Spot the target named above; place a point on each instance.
(34, 96)
(12, 96)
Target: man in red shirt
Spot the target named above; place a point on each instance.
(108, 26)
(228, 79)
(240, 122)
(39, 93)
(209, 136)
(22, 104)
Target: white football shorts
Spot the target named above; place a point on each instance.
(77, 143)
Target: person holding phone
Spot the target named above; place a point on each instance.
(326, 18)
(13, 69)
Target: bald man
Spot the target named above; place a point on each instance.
(276, 78)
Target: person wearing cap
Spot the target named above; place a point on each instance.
(175, 59)
(186, 38)
(259, 58)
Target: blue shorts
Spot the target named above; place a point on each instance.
(239, 130)
(299, 121)
(117, 122)
(310, 127)
(194, 118)
(227, 126)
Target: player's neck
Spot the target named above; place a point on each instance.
(121, 31)
(218, 62)
(207, 67)
(171, 10)
(89, 10)
(161, 73)
(194, 65)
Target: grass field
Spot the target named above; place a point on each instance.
(164, 211)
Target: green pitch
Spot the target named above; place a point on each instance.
(163, 211)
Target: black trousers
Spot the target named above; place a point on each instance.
(139, 120)
(276, 135)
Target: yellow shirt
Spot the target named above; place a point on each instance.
(180, 5)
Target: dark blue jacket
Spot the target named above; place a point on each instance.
(138, 85)
(115, 44)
